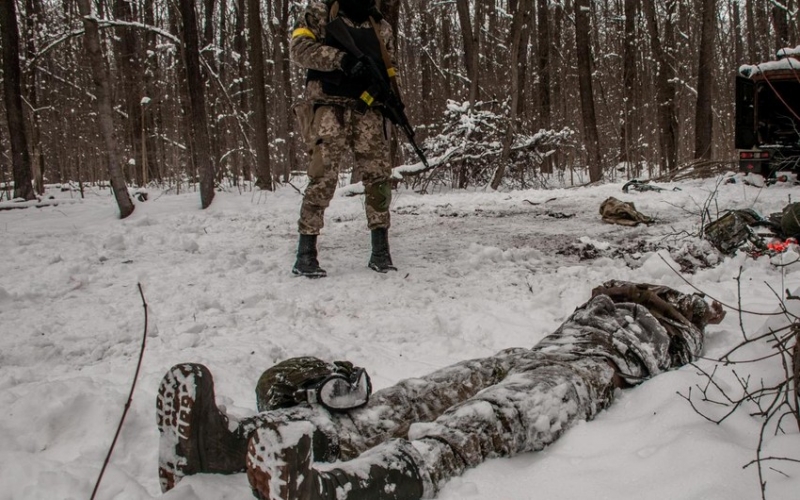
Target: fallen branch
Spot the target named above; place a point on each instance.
(130, 397)
(12, 205)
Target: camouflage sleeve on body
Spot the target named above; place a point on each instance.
(307, 48)
(387, 35)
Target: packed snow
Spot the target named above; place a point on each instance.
(480, 271)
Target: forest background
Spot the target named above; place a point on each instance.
(178, 92)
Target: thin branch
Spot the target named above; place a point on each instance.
(130, 397)
(755, 313)
(102, 24)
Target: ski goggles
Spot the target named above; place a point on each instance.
(338, 392)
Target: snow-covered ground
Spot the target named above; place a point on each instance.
(479, 272)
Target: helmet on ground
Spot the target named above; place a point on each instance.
(337, 386)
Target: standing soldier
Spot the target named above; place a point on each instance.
(339, 118)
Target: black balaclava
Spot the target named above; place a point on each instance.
(357, 10)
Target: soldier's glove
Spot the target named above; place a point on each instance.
(352, 66)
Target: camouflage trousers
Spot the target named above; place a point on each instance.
(516, 401)
(339, 135)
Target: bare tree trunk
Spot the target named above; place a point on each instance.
(763, 32)
(259, 98)
(584, 59)
(471, 45)
(130, 69)
(738, 46)
(33, 18)
(515, 38)
(627, 140)
(544, 45)
(199, 123)
(183, 124)
(427, 81)
(4, 179)
(544, 42)
(283, 84)
(208, 32)
(781, 24)
(150, 73)
(528, 23)
(210, 60)
(223, 39)
(557, 91)
(102, 91)
(704, 118)
(751, 32)
(239, 47)
(470, 49)
(665, 89)
(447, 48)
(12, 89)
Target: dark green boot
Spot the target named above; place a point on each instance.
(381, 259)
(307, 264)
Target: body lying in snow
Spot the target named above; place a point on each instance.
(407, 440)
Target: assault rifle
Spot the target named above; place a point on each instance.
(392, 107)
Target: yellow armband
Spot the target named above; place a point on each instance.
(303, 32)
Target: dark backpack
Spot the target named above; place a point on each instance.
(734, 229)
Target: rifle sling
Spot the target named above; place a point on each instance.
(387, 61)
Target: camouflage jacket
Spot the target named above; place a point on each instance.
(308, 48)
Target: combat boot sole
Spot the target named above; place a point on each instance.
(311, 273)
(381, 268)
(381, 262)
(194, 434)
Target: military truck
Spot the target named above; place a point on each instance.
(768, 117)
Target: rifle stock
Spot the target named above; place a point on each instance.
(391, 105)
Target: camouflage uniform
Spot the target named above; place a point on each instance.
(337, 130)
(516, 401)
(414, 436)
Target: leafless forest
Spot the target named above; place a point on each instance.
(200, 92)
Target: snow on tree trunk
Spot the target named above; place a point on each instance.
(102, 90)
(201, 151)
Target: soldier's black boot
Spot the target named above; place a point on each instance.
(381, 259)
(307, 264)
